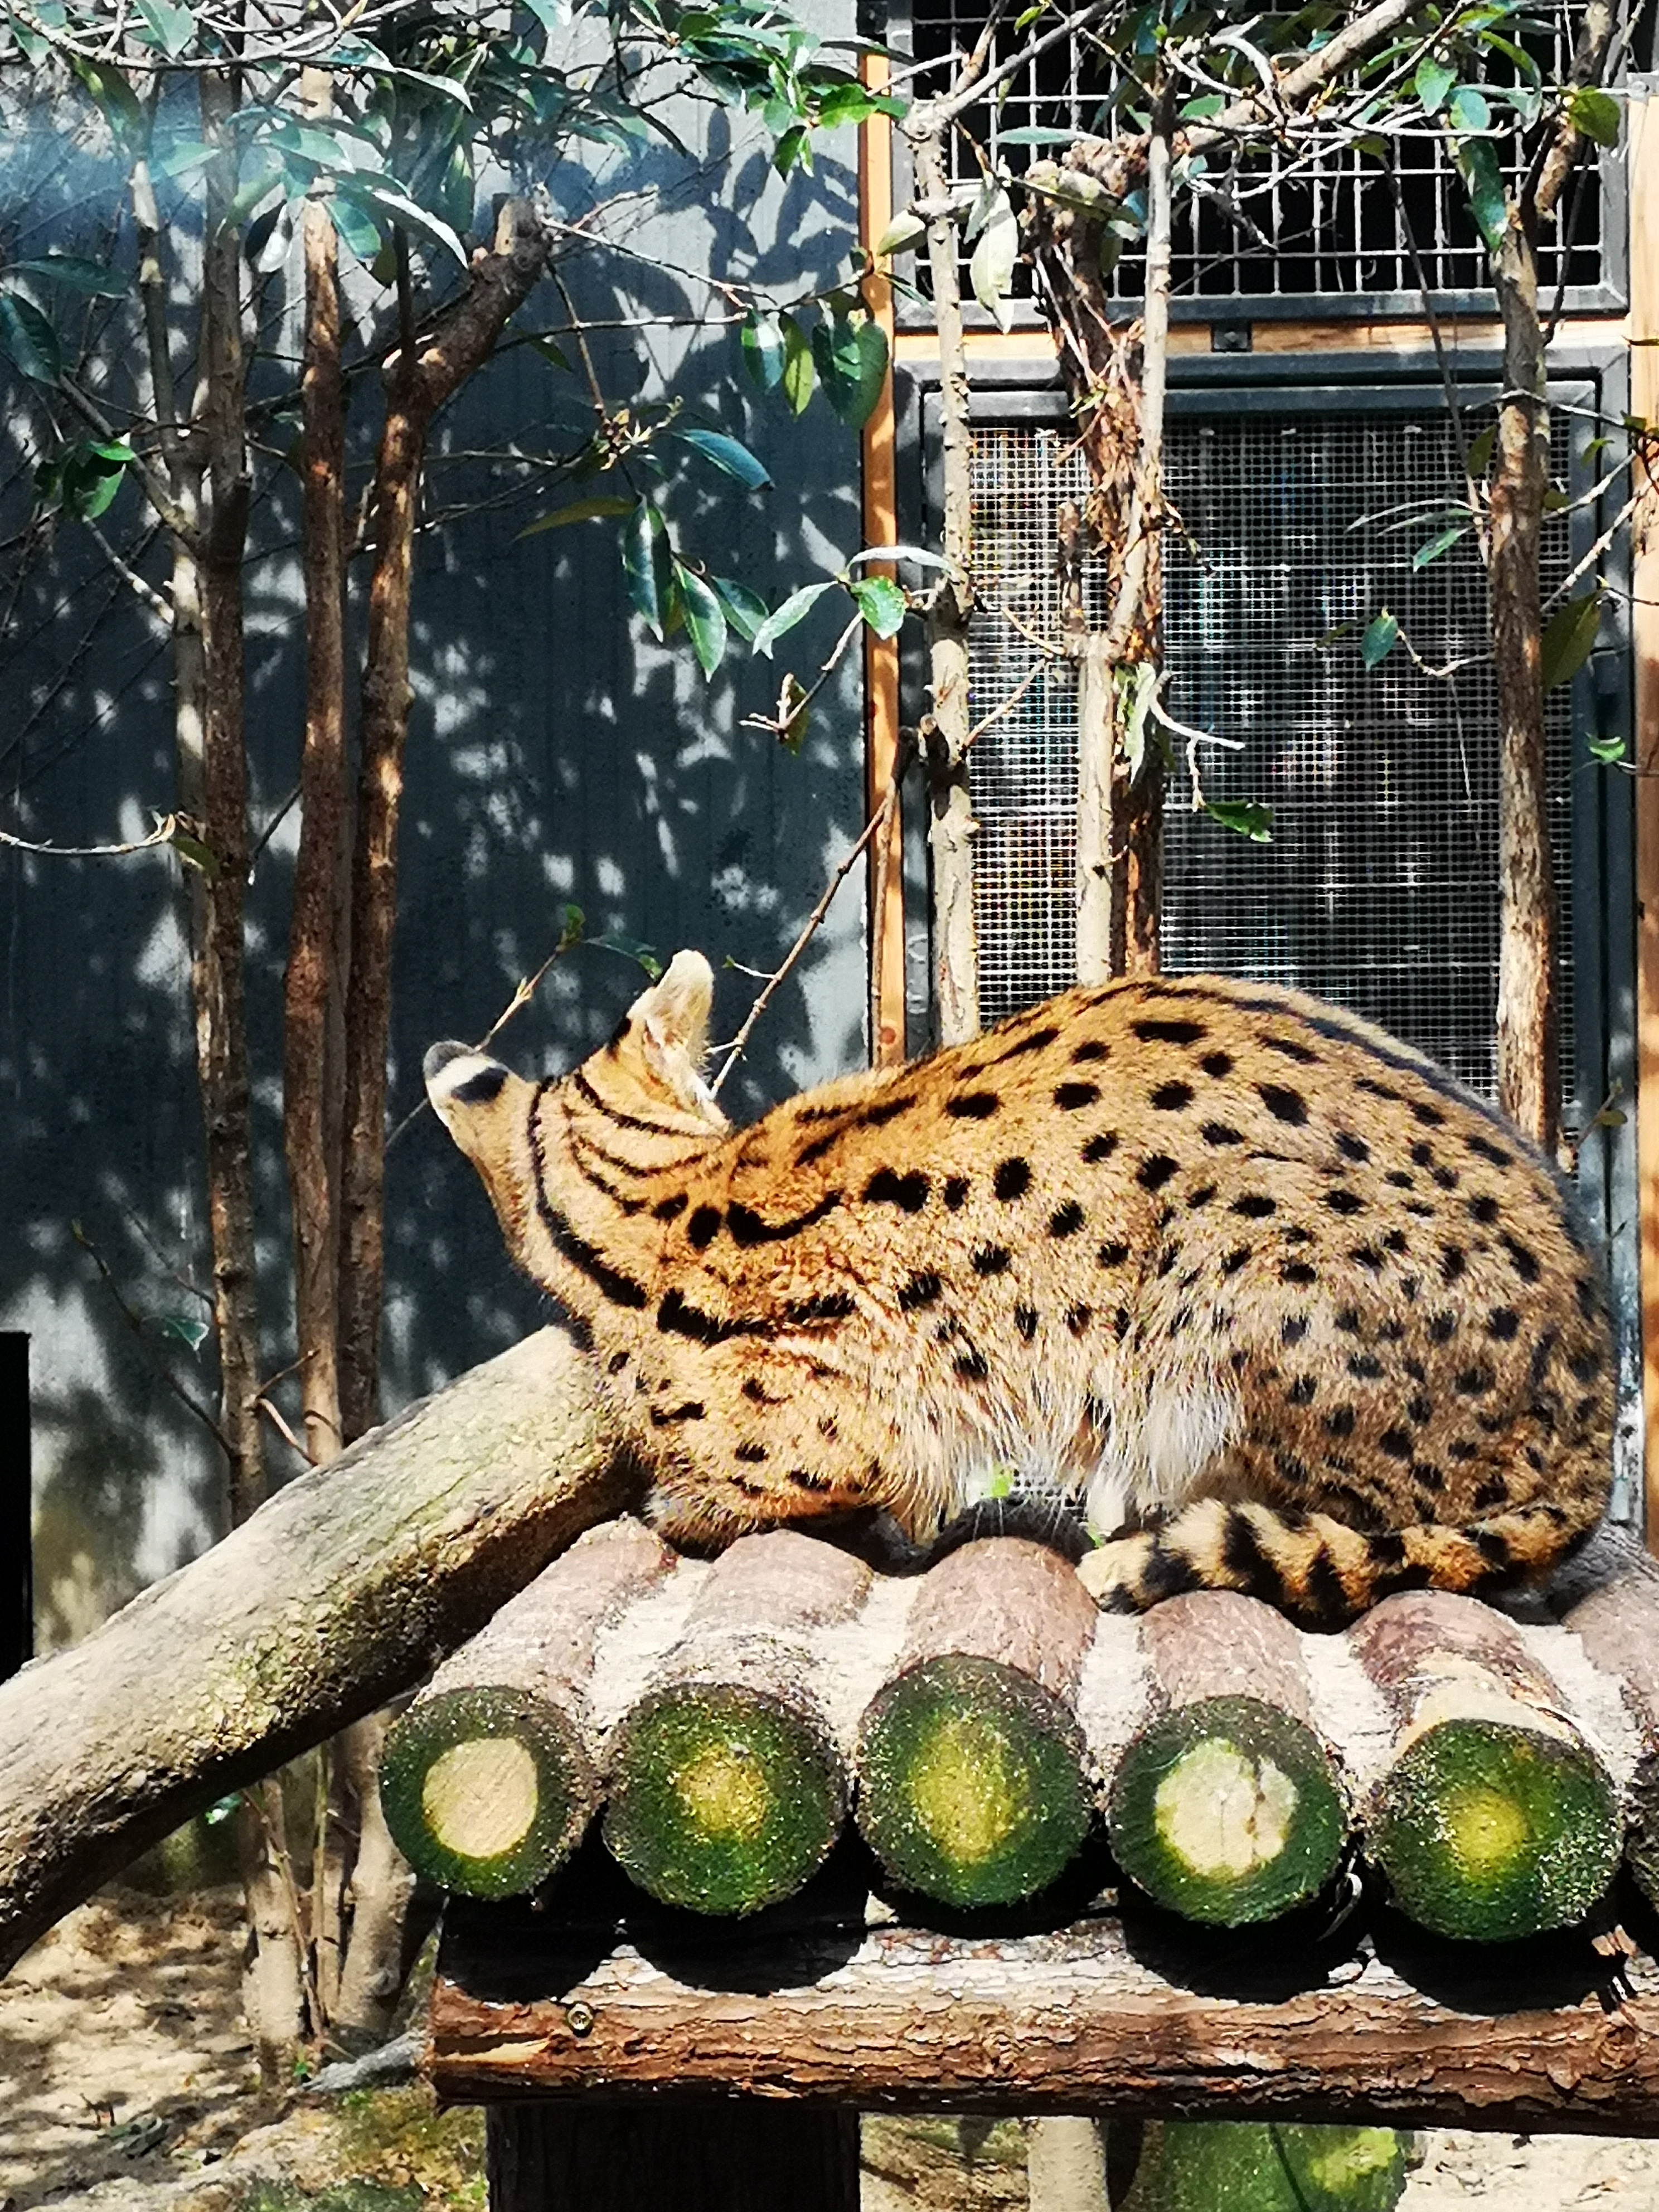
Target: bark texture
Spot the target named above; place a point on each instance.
(426, 372)
(917, 2017)
(338, 1593)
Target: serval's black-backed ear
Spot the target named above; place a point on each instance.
(484, 1106)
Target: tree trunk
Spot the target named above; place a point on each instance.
(421, 376)
(337, 1593)
(1528, 1021)
(951, 827)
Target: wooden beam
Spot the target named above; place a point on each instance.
(1468, 331)
(879, 494)
(1108, 2015)
(1645, 637)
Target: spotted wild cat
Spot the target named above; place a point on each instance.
(1238, 1268)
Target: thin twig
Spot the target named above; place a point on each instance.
(165, 832)
(810, 928)
(790, 710)
(136, 1323)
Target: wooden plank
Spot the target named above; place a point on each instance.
(1110, 2014)
(1644, 637)
(879, 496)
(914, 348)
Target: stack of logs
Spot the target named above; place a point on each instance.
(725, 1719)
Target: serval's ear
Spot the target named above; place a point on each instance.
(483, 1106)
(674, 1012)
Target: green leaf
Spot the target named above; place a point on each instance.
(991, 271)
(1246, 817)
(172, 27)
(1594, 114)
(705, 618)
(648, 564)
(1043, 134)
(1433, 80)
(28, 340)
(1436, 546)
(89, 475)
(1569, 638)
(744, 609)
(852, 363)
(796, 365)
(881, 602)
(1201, 110)
(581, 510)
(727, 454)
(1378, 642)
(394, 206)
(794, 609)
(1608, 750)
(220, 1810)
(1480, 451)
(91, 277)
(631, 948)
(115, 100)
(1468, 110)
(551, 350)
(183, 1329)
(362, 234)
(792, 147)
(763, 353)
(1483, 181)
(904, 230)
(457, 191)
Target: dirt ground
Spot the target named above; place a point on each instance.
(126, 2086)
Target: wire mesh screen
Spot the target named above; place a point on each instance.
(1379, 888)
(1325, 217)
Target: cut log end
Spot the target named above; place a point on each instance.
(1227, 1811)
(486, 1790)
(723, 1799)
(1493, 1832)
(972, 1785)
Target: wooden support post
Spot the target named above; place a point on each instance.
(881, 662)
(686, 2156)
(1645, 637)
(16, 1504)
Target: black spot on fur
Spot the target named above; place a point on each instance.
(1100, 1148)
(976, 1106)
(1217, 1064)
(1503, 1323)
(747, 1229)
(1066, 1220)
(1025, 1320)
(1339, 1421)
(1068, 1097)
(1396, 1443)
(1484, 1210)
(1254, 1205)
(1172, 1098)
(1395, 1242)
(1525, 1260)
(1155, 1171)
(1344, 1202)
(752, 1455)
(1488, 1150)
(1494, 1491)
(1154, 1032)
(1219, 1132)
(1297, 1271)
(692, 1410)
(918, 1290)
(1013, 1179)
(1293, 1328)
(1400, 1179)
(908, 1192)
(1199, 1198)
(1429, 1117)
(1352, 1148)
(1453, 1261)
(1473, 1382)
(991, 1260)
(1242, 1556)
(1113, 1256)
(1038, 1041)
(971, 1366)
(1442, 1326)
(668, 1209)
(1235, 1259)
(1078, 1318)
(1283, 1103)
(1420, 1409)
(1300, 1392)
(1367, 1256)
(826, 1305)
(1584, 1366)
(1288, 1048)
(1365, 1368)
(1461, 1449)
(955, 1192)
(1348, 1320)
(1091, 1049)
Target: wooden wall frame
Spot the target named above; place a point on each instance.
(1643, 112)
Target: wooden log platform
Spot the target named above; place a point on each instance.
(835, 1999)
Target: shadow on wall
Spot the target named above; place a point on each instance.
(557, 755)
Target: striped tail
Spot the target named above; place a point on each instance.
(1320, 1571)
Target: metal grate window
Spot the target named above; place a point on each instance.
(1379, 889)
(1327, 221)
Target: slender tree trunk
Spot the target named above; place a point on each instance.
(420, 378)
(1527, 1019)
(951, 825)
(313, 985)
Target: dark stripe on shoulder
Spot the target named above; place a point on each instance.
(615, 1114)
(621, 1289)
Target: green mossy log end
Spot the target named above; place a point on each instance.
(486, 1790)
(1227, 1811)
(723, 1798)
(972, 1782)
(1204, 2166)
(1492, 1833)
(1642, 1810)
